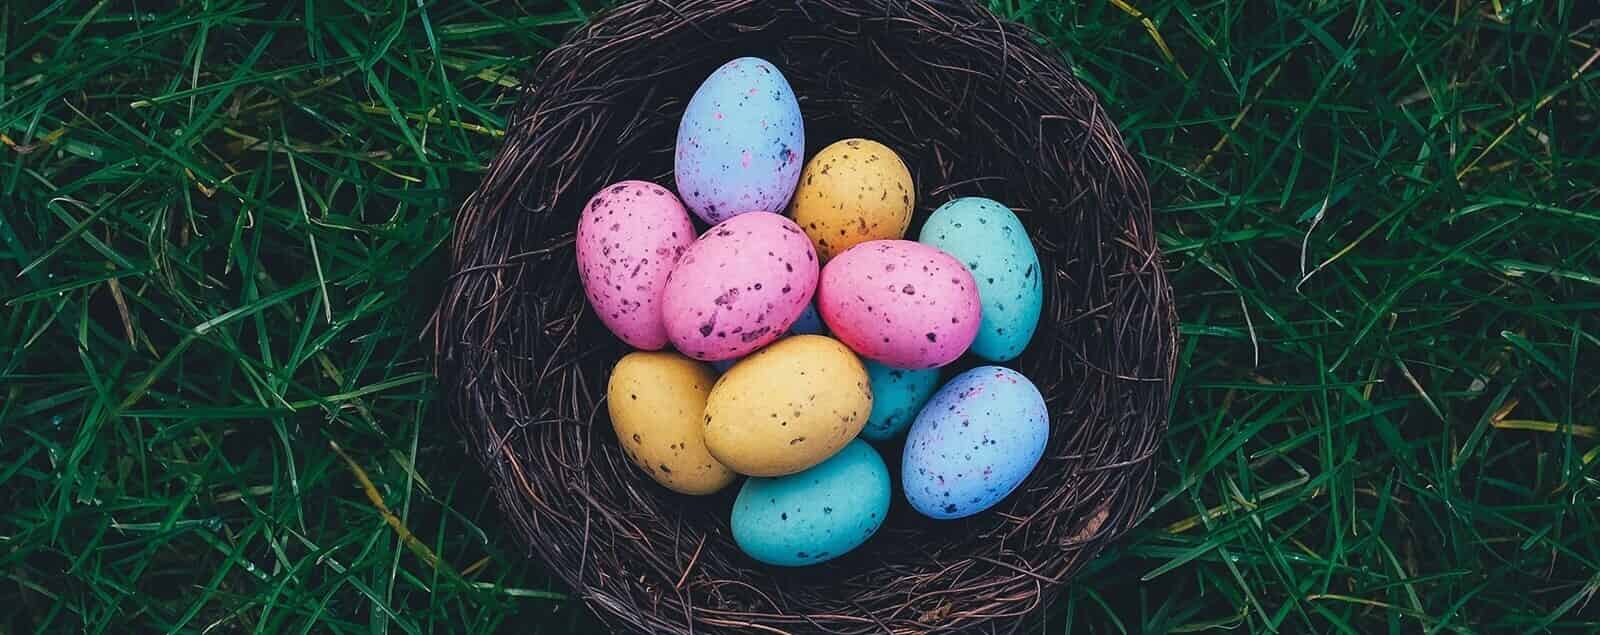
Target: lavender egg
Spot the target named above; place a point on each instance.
(974, 443)
(739, 287)
(630, 236)
(740, 142)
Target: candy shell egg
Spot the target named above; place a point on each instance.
(656, 401)
(905, 304)
(974, 442)
(630, 236)
(995, 247)
(851, 192)
(739, 287)
(787, 407)
(809, 322)
(740, 142)
(816, 515)
(897, 397)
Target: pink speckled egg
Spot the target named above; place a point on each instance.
(739, 287)
(629, 238)
(901, 303)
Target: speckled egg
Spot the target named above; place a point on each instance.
(630, 236)
(656, 401)
(897, 397)
(739, 287)
(809, 322)
(787, 407)
(974, 442)
(905, 304)
(994, 245)
(816, 515)
(851, 192)
(740, 142)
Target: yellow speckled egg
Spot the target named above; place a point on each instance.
(787, 407)
(656, 400)
(851, 192)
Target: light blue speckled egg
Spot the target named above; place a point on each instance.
(994, 245)
(897, 396)
(815, 515)
(740, 142)
(974, 442)
(809, 322)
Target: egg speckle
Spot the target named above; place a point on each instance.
(630, 236)
(974, 443)
(739, 287)
(740, 142)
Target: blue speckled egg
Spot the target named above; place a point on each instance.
(974, 442)
(815, 515)
(897, 396)
(740, 142)
(809, 322)
(995, 247)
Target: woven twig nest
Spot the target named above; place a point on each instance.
(976, 107)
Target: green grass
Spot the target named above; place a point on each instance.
(222, 229)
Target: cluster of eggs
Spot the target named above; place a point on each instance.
(803, 325)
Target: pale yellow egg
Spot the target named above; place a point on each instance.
(657, 401)
(851, 192)
(787, 407)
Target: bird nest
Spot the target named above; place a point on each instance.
(976, 106)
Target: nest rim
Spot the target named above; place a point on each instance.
(523, 361)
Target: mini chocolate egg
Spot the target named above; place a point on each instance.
(787, 407)
(851, 192)
(656, 401)
(905, 304)
(897, 397)
(995, 247)
(630, 236)
(974, 442)
(816, 515)
(739, 287)
(740, 142)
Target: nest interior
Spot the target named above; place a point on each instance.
(975, 106)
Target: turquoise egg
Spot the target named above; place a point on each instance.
(809, 322)
(815, 515)
(897, 396)
(994, 245)
(974, 442)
